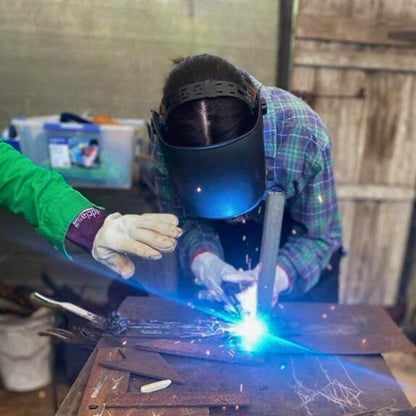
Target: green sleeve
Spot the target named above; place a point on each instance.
(40, 196)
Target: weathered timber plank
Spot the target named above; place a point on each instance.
(317, 54)
(371, 271)
(371, 192)
(402, 168)
(353, 29)
(386, 131)
(361, 9)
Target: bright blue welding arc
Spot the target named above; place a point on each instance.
(260, 339)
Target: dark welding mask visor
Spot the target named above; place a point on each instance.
(219, 181)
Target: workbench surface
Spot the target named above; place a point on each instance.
(284, 384)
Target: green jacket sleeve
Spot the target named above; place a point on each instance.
(39, 195)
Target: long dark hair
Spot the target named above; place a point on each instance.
(210, 120)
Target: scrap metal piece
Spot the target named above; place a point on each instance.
(149, 364)
(178, 399)
(104, 380)
(101, 382)
(198, 350)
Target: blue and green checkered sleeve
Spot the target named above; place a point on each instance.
(315, 211)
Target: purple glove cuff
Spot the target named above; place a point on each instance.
(84, 227)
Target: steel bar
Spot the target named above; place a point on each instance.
(145, 363)
(162, 411)
(272, 228)
(177, 399)
(198, 350)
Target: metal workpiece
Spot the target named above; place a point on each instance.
(288, 382)
(272, 227)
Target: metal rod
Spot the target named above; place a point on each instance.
(272, 227)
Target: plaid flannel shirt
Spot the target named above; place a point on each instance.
(299, 163)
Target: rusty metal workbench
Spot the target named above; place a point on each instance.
(289, 383)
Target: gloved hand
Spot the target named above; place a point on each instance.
(144, 235)
(248, 297)
(210, 271)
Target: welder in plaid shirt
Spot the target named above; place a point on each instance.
(209, 108)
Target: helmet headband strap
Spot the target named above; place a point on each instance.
(207, 89)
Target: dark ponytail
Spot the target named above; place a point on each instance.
(210, 120)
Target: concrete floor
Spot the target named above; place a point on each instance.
(36, 403)
(403, 367)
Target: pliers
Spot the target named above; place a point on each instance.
(70, 337)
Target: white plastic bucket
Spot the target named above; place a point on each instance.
(25, 356)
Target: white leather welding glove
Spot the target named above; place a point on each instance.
(210, 271)
(248, 297)
(144, 235)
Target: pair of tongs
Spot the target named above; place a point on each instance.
(96, 321)
(69, 337)
(114, 324)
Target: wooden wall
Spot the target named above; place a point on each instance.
(355, 63)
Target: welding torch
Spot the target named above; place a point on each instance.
(223, 295)
(233, 303)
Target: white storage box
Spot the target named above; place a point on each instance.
(87, 155)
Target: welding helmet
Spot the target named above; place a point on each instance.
(221, 180)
